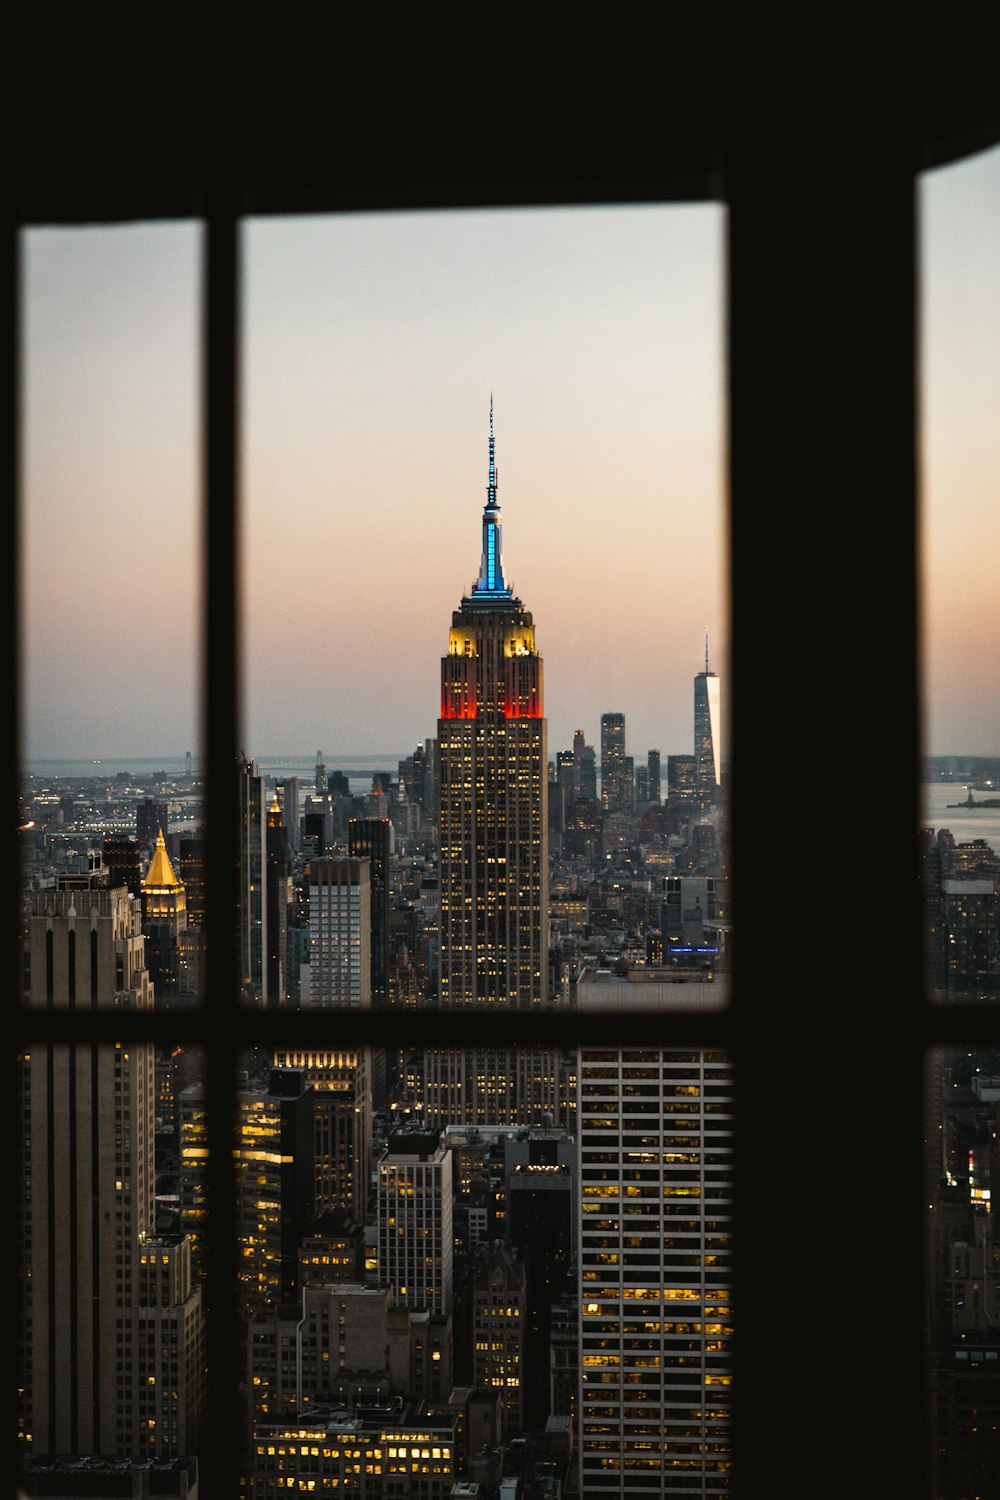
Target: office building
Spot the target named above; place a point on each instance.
(653, 783)
(499, 1318)
(372, 839)
(287, 792)
(122, 860)
(151, 818)
(707, 735)
(493, 815)
(278, 896)
(682, 780)
(273, 1162)
(493, 832)
(655, 1132)
(339, 895)
(252, 869)
(541, 1192)
(338, 974)
(416, 1240)
(585, 760)
(614, 777)
(113, 1333)
(342, 1115)
(381, 1455)
(164, 921)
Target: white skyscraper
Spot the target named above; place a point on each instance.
(656, 1199)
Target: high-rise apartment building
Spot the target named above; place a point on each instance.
(707, 735)
(655, 1131)
(113, 1332)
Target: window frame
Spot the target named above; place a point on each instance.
(829, 1275)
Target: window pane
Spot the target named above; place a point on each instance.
(960, 463)
(389, 361)
(485, 773)
(110, 557)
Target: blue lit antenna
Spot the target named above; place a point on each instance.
(490, 584)
(491, 488)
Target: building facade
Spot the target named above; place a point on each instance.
(707, 735)
(253, 880)
(416, 1242)
(614, 770)
(339, 892)
(493, 809)
(655, 1132)
(113, 1330)
(493, 830)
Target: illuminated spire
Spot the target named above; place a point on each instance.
(161, 872)
(490, 584)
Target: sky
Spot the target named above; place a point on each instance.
(373, 346)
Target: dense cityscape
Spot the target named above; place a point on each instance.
(500, 1272)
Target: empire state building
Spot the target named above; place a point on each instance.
(493, 758)
(493, 825)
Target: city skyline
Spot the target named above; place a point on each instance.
(373, 346)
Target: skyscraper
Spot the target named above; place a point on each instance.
(164, 921)
(585, 758)
(416, 1242)
(253, 866)
(493, 758)
(278, 892)
(707, 734)
(339, 892)
(96, 1279)
(613, 766)
(655, 1271)
(493, 826)
(338, 974)
(372, 839)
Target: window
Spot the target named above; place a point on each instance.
(828, 1037)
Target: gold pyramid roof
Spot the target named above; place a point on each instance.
(161, 871)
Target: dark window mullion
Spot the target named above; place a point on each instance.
(828, 975)
(221, 1452)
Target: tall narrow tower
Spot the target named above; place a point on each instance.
(493, 824)
(707, 735)
(493, 755)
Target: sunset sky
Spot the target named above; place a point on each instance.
(372, 347)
